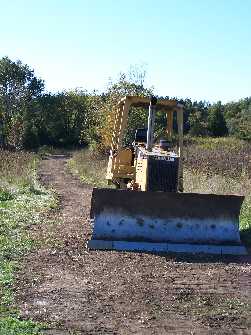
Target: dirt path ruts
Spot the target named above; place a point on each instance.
(82, 292)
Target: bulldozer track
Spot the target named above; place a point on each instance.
(77, 291)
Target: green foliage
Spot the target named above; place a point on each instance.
(56, 120)
(5, 195)
(216, 121)
(137, 116)
(18, 87)
(30, 136)
(197, 117)
(238, 118)
(89, 134)
(15, 326)
(198, 125)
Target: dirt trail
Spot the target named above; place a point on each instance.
(81, 292)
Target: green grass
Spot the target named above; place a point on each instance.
(22, 201)
(14, 326)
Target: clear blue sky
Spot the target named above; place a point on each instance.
(192, 48)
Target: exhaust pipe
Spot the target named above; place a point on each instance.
(151, 121)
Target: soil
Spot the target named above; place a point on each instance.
(77, 291)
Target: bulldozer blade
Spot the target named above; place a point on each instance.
(169, 222)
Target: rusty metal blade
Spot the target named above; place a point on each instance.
(121, 215)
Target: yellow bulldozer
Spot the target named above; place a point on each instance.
(148, 210)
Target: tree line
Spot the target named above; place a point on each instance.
(31, 117)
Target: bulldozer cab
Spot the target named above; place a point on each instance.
(169, 107)
(140, 135)
(122, 166)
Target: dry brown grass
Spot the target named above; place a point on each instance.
(90, 167)
(226, 157)
(16, 167)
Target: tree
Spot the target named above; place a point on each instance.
(238, 118)
(197, 118)
(116, 90)
(18, 87)
(58, 119)
(216, 121)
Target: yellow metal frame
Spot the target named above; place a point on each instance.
(120, 162)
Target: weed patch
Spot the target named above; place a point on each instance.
(226, 157)
(15, 326)
(90, 168)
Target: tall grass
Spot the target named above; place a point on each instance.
(227, 157)
(17, 167)
(22, 200)
(90, 167)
